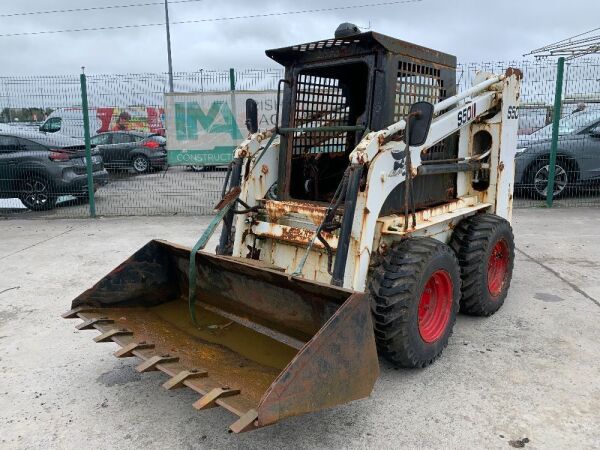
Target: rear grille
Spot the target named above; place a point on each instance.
(419, 83)
(320, 102)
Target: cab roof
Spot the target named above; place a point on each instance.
(359, 44)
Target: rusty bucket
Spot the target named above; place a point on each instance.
(265, 345)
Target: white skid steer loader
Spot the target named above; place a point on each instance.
(378, 208)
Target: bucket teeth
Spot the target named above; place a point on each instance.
(89, 324)
(176, 382)
(208, 400)
(73, 313)
(127, 351)
(245, 423)
(107, 336)
(150, 364)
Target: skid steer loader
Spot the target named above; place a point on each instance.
(376, 210)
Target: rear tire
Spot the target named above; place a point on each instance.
(414, 299)
(485, 247)
(537, 178)
(35, 192)
(140, 164)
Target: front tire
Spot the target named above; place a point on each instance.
(485, 247)
(414, 299)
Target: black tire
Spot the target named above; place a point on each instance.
(35, 192)
(197, 168)
(140, 164)
(485, 247)
(537, 178)
(398, 298)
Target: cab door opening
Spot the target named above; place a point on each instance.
(325, 97)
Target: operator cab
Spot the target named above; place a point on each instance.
(336, 90)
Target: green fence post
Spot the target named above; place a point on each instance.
(231, 79)
(234, 127)
(88, 147)
(560, 70)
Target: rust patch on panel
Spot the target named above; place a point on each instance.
(514, 71)
(293, 235)
(278, 209)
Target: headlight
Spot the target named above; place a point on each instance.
(520, 151)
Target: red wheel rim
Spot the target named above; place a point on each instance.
(435, 306)
(498, 268)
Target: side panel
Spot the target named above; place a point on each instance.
(508, 145)
(257, 179)
(339, 364)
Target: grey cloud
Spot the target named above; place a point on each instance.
(473, 30)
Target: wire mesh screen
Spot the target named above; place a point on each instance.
(420, 83)
(39, 171)
(320, 102)
(43, 173)
(417, 83)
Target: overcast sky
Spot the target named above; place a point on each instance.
(474, 30)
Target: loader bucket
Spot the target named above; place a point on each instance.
(265, 345)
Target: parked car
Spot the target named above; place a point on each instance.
(577, 157)
(38, 168)
(132, 149)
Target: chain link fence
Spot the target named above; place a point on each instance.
(45, 174)
(577, 169)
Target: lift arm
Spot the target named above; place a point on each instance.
(483, 98)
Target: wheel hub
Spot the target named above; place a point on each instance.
(498, 268)
(36, 192)
(140, 164)
(435, 306)
(540, 180)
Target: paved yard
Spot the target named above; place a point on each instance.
(530, 375)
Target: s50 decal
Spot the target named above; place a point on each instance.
(467, 114)
(512, 113)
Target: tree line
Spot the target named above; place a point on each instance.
(24, 114)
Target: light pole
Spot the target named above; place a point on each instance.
(169, 46)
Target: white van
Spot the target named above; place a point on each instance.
(69, 121)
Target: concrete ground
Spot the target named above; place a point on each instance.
(527, 376)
